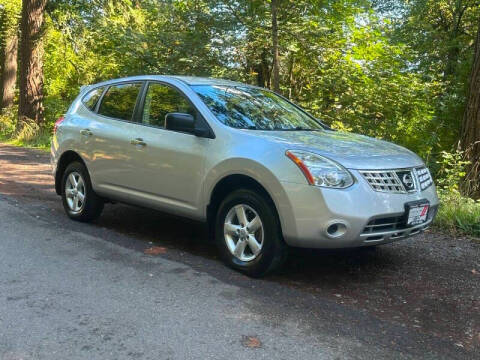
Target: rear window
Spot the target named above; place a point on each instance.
(119, 101)
(90, 100)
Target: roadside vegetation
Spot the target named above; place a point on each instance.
(403, 71)
(28, 134)
(458, 214)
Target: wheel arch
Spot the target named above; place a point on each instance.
(235, 181)
(66, 158)
(270, 188)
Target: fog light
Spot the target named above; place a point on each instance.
(336, 230)
(332, 229)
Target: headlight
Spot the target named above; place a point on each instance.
(321, 171)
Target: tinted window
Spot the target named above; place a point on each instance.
(119, 101)
(161, 100)
(90, 100)
(253, 108)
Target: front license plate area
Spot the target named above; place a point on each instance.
(417, 213)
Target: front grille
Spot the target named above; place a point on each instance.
(383, 181)
(424, 178)
(376, 228)
(400, 181)
(385, 224)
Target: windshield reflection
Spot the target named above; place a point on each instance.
(246, 107)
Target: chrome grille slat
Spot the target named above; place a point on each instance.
(379, 225)
(382, 224)
(395, 226)
(383, 180)
(424, 177)
(388, 181)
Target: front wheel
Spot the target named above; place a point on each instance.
(248, 233)
(80, 202)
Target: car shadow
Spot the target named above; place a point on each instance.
(303, 265)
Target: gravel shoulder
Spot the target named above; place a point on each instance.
(417, 298)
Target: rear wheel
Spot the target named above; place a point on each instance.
(248, 233)
(80, 202)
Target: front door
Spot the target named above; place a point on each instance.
(169, 165)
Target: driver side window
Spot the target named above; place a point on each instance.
(159, 101)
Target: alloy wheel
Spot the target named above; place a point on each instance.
(243, 232)
(75, 192)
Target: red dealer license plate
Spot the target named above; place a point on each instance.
(417, 214)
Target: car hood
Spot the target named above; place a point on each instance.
(351, 150)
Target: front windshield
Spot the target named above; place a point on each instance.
(247, 107)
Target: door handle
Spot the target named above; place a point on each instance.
(138, 141)
(86, 132)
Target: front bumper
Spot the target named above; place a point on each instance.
(365, 217)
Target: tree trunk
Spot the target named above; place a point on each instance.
(9, 72)
(470, 138)
(262, 69)
(276, 68)
(290, 76)
(31, 61)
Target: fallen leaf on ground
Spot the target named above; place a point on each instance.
(251, 342)
(155, 250)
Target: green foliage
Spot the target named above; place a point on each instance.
(340, 60)
(458, 214)
(440, 34)
(451, 171)
(9, 16)
(28, 133)
(8, 121)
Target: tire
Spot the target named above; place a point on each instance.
(92, 205)
(254, 261)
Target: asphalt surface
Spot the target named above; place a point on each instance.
(139, 284)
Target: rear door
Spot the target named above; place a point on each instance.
(169, 164)
(84, 119)
(109, 139)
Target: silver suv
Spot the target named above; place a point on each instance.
(264, 173)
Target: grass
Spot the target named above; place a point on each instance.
(41, 142)
(458, 215)
(29, 135)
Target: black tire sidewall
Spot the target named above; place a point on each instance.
(272, 240)
(93, 205)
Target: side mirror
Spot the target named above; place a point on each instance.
(180, 122)
(185, 123)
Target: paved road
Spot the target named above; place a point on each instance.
(89, 291)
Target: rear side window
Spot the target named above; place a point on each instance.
(90, 100)
(119, 101)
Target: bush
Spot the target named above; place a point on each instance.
(26, 133)
(8, 122)
(457, 213)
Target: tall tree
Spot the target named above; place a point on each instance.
(8, 27)
(31, 60)
(471, 124)
(9, 71)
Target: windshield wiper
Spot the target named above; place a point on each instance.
(300, 128)
(249, 127)
(297, 128)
